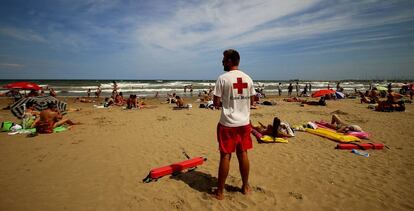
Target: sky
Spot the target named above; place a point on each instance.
(165, 39)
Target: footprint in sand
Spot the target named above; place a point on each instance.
(257, 115)
(297, 196)
(162, 118)
(177, 204)
(258, 189)
(77, 142)
(41, 157)
(102, 121)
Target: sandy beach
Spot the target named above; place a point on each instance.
(100, 164)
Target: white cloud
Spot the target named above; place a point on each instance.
(11, 65)
(224, 20)
(216, 24)
(22, 34)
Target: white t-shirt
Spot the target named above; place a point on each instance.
(234, 88)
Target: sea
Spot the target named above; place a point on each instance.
(146, 88)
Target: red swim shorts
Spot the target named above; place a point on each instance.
(231, 137)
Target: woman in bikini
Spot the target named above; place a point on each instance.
(343, 127)
(277, 129)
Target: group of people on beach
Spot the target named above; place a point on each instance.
(17, 95)
(307, 89)
(234, 94)
(177, 100)
(393, 101)
(46, 120)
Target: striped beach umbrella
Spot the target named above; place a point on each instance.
(40, 103)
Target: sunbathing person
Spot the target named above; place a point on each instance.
(142, 104)
(179, 102)
(294, 99)
(132, 102)
(373, 94)
(171, 98)
(83, 100)
(49, 119)
(277, 129)
(119, 99)
(108, 102)
(364, 99)
(392, 103)
(52, 92)
(343, 127)
(204, 97)
(321, 102)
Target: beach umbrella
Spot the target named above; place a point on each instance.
(323, 92)
(40, 103)
(23, 85)
(339, 95)
(381, 88)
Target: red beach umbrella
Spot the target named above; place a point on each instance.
(323, 92)
(23, 85)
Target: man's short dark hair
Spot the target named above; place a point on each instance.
(233, 55)
(51, 105)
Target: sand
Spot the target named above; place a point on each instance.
(100, 164)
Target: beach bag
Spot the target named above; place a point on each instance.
(16, 127)
(287, 129)
(6, 126)
(267, 103)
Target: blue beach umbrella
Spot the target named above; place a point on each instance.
(339, 95)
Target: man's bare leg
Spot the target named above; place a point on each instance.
(222, 174)
(244, 168)
(63, 121)
(336, 120)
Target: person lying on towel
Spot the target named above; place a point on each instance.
(277, 129)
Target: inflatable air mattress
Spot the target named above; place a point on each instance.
(364, 146)
(363, 135)
(327, 133)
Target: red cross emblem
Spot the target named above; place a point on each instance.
(239, 86)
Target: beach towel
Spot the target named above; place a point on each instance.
(33, 130)
(188, 106)
(6, 126)
(267, 139)
(99, 106)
